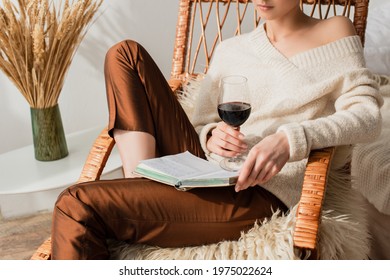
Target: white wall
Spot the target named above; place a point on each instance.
(83, 101)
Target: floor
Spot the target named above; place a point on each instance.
(19, 238)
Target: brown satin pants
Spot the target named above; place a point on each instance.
(143, 211)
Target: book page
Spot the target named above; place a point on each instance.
(186, 165)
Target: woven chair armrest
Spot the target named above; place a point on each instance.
(312, 197)
(97, 157)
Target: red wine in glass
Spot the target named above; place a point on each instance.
(234, 113)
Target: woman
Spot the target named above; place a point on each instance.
(309, 90)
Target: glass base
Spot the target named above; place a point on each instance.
(232, 164)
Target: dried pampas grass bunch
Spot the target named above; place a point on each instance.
(38, 42)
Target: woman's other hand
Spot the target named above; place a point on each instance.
(264, 161)
(226, 141)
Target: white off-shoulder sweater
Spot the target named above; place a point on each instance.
(321, 97)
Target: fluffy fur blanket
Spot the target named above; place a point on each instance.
(343, 230)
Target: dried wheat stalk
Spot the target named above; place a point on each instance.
(37, 44)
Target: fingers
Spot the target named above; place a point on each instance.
(226, 141)
(229, 141)
(249, 172)
(264, 161)
(273, 171)
(256, 172)
(256, 176)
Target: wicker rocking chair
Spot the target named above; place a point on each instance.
(194, 47)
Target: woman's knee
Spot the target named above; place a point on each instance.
(71, 199)
(123, 50)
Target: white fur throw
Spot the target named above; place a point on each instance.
(343, 230)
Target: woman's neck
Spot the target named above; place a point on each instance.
(282, 28)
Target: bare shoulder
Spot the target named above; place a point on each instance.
(335, 28)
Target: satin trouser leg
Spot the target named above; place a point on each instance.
(143, 211)
(140, 99)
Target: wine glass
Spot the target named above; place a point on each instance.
(234, 109)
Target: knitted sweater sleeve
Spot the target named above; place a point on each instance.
(356, 119)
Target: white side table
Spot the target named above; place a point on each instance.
(28, 186)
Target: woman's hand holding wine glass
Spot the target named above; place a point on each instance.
(264, 161)
(234, 109)
(226, 141)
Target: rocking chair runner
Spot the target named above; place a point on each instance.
(188, 52)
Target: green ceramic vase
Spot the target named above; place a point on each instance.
(48, 134)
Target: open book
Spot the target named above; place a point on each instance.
(185, 171)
